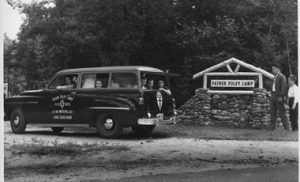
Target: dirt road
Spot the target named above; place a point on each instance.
(265, 174)
(101, 159)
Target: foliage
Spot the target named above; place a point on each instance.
(13, 74)
(184, 36)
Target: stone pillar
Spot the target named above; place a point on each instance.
(197, 109)
(260, 115)
(205, 109)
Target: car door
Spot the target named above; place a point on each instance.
(62, 100)
(92, 91)
(39, 112)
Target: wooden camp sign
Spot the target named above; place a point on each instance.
(237, 79)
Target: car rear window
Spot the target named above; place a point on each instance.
(153, 79)
(124, 80)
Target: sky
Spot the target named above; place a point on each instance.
(11, 20)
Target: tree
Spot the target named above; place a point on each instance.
(12, 72)
(184, 36)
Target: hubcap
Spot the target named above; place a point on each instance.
(109, 123)
(17, 120)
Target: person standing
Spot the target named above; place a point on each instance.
(278, 95)
(293, 100)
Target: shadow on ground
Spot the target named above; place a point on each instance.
(88, 133)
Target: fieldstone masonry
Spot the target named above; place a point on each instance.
(260, 112)
(237, 107)
(245, 110)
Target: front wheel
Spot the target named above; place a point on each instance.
(108, 126)
(17, 121)
(142, 130)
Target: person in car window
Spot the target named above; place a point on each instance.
(162, 87)
(114, 83)
(150, 84)
(74, 80)
(98, 84)
(68, 84)
(126, 83)
(144, 82)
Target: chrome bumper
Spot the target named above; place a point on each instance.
(156, 121)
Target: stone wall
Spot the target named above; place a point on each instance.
(197, 109)
(260, 112)
(246, 110)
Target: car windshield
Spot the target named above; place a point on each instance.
(154, 81)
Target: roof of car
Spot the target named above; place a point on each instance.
(111, 69)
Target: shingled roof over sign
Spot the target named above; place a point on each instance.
(239, 63)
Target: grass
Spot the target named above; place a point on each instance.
(225, 133)
(68, 148)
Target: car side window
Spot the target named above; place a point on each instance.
(64, 82)
(93, 80)
(124, 80)
(88, 81)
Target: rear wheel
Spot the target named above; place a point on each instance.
(143, 130)
(17, 121)
(108, 126)
(57, 130)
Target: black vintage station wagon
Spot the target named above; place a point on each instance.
(108, 98)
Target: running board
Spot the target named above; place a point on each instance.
(60, 125)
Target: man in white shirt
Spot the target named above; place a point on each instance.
(293, 100)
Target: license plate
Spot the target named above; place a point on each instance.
(160, 116)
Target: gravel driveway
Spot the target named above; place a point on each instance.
(140, 157)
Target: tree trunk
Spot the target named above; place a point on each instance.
(288, 54)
